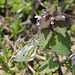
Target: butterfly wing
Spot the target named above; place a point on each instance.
(28, 52)
(20, 56)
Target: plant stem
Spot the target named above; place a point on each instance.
(73, 72)
(48, 1)
(6, 10)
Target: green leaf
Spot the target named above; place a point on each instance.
(1, 29)
(13, 68)
(17, 28)
(68, 1)
(35, 74)
(36, 66)
(73, 27)
(73, 67)
(60, 27)
(44, 37)
(20, 66)
(46, 55)
(48, 66)
(60, 44)
(20, 30)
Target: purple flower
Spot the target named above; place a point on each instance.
(73, 63)
(45, 14)
(52, 22)
(52, 19)
(38, 25)
(38, 18)
(63, 17)
(1, 53)
(73, 58)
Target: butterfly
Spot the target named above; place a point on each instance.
(28, 52)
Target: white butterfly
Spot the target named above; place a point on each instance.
(28, 52)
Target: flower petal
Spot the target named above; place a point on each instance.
(73, 63)
(63, 17)
(52, 19)
(38, 17)
(1, 53)
(52, 22)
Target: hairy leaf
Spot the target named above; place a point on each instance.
(60, 44)
(44, 37)
(60, 27)
(48, 66)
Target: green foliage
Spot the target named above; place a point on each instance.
(10, 68)
(7, 53)
(13, 69)
(16, 5)
(60, 44)
(68, 65)
(1, 38)
(45, 2)
(47, 56)
(28, 9)
(73, 67)
(3, 63)
(55, 2)
(35, 74)
(53, 74)
(1, 29)
(66, 4)
(48, 66)
(10, 20)
(73, 29)
(50, 74)
(60, 27)
(2, 5)
(68, 1)
(36, 66)
(44, 37)
(54, 38)
(20, 66)
(16, 28)
(40, 12)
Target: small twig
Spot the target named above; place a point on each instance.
(14, 46)
(59, 69)
(68, 15)
(33, 71)
(42, 4)
(7, 39)
(48, 1)
(22, 1)
(6, 5)
(40, 57)
(8, 29)
(64, 61)
(23, 8)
